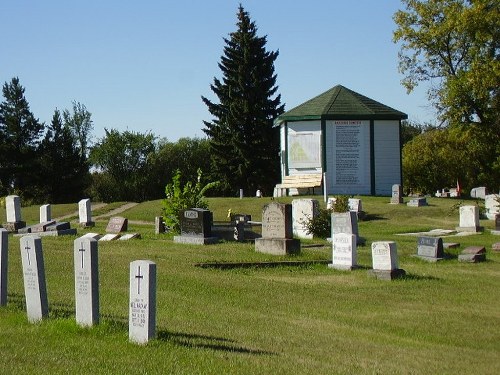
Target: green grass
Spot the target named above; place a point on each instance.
(443, 318)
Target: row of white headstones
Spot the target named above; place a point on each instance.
(142, 297)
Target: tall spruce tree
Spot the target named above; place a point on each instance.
(66, 175)
(20, 135)
(244, 144)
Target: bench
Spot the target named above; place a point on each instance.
(300, 181)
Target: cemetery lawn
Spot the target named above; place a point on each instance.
(442, 318)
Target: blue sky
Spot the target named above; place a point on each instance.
(144, 65)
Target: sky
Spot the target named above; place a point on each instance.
(143, 65)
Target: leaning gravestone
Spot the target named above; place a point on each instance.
(430, 249)
(13, 210)
(473, 254)
(85, 213)
(469, 219)
(385, 261)
(4, 261)
(344, 252)
(397, 194)
(142, 306)
(277, 232)
(117, 224)
(196, 227)
(303, 210)
(35, 289)
(45, 213)
(86, 281)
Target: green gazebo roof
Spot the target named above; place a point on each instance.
(340, 103)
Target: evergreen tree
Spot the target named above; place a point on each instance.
(244, 144)
(65, 175)
(20, 135)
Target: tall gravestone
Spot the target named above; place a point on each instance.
(45, 213)
(344, 251)
(159, 225)
(85, 213)
(303, 210)
(345, 222)
(142, 306)
(4, 262)
(385, 261)
(277, 232)
(35, 289)
(469, 219)
(13, 211)
(492, 205)
(86, 281)
(196, 227)
(397, 194)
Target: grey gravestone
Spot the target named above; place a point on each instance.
(85, 213)
(45, 213)
(42, 227)
(417, 202)
(61, 225)
(473, 254)
(4, 262)
(385, 261)
(344, 251)
(397, 194)
(142, 306)
(196, 227)
(430, 249)
(345, 222)
(303, 210)
(469, 219)
(277, 233)
(159, 225)
(13, 211)
(35, 289)
(117, 224)
(86, 281)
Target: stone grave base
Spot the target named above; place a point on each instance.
(387, 275)
(53, 233)
(396, 200)
(277, 246)
(495, 232)
(428, 259)
(472, 258)
(469, 229)
(14, 226)
(89, 224)
(192, 240)
(342, 267)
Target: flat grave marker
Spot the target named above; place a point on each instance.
(473, 254)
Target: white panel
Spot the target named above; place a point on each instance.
(387, 156)
(304, 147)
(348, 157)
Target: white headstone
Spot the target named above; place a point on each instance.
(4, 261)
(355, 205)
(479, 192)
(86, 281)
(303, 210)
(45, 213)
(344, 251)
(85, 211)
(35, 289)
(331, 203)
(110, 237)
(469, 216)
(13, 208)
(142, 307)
(344, 222)
(492, 205)
(384, 256)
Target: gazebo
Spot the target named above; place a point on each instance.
(351, 141)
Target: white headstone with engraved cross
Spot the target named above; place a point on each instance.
(86, 281)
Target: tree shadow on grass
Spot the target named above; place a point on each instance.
(412, 276)
(373, 217)
(207, 342)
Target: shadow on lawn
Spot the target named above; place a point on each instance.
(207, 342)
(373, 217)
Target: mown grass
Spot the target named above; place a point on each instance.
(443, 318)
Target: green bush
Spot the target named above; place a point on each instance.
(180, 198)
(320, 226)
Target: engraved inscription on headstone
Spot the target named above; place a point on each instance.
(276, 221)
(34, 278)
(344, 222)
(397, 194)
(142, 305)
(384, 256)
(344, 254)
(117, 224)
(4, 262)
(86, 281)
(430, 247)
(196, 222)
